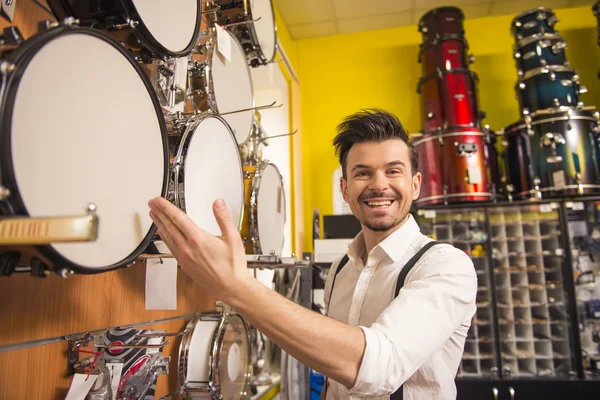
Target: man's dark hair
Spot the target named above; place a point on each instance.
(371, 125)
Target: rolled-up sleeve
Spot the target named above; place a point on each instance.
(439, 295)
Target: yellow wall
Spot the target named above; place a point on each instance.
(343, 73)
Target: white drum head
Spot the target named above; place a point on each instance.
(265, 28)
(213, 169)
(271, 211)
(232, 86)
(233, 359)
(172, 23)
(85, 130)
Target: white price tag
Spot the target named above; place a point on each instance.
(577, 206)
(161, 284)
(430, 214)
(545, 208)
(558, 178)
(81, 386)
(223, 42)
(474, 175)
(116, 370)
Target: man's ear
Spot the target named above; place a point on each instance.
(416, 182)
(344, 188)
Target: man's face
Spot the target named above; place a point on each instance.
(379, 184)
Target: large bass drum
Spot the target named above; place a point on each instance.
(207, 166)
(215, 357)
(223, 86)
(256, 28)
(555, 153)
(81, 124)
(164, 28)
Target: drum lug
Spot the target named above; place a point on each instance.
(536, 187)
(445, 194)
(64, 272)
(558, 47)
(4, 193)
(552, 76)
(522, 85)
(582, 90)
(471, 59)
(11, 36)
(6, 67)
(517, 55)
(70, 21)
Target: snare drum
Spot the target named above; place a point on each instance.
(207, 166)
(535, 21)
(164, 28)
(224, 86)
(549, 87)
(441, 21)
(81, 124)
(264, 213)
(258, 38)
(537, 52)
(215, 357)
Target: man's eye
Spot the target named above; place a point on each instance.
(361, 173)
(394, 171)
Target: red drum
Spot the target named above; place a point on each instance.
(459, 99)
(441, 21)
(429, 149)
(431, 111)
(447, 53)
(466, 158)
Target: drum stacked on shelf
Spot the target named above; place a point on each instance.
(455, 150)
(553, 150)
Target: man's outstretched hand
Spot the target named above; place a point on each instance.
(215, 263)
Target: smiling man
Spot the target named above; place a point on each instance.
(399, 305)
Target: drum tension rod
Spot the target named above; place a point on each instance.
(241, 23)
(74, 343)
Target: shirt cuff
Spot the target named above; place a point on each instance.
(368, 377)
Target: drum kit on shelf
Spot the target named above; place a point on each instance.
(121, 102)
(453, 134)
(552, 151)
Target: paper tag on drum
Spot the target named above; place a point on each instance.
(558, 179)
(81, 386)
(223, 42)
(116, 371)
(161, 284)
(474, 175)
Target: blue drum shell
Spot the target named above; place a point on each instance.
(533, 22)
(549, 87)
(536, 52)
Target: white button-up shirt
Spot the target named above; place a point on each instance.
(416, 339)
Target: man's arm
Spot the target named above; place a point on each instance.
(218, 265)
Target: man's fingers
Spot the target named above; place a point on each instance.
(228, 229)
(169, 233)
(175, 215)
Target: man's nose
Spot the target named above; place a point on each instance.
(379, 182)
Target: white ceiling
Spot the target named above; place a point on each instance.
(312, 18)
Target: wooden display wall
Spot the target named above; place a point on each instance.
(37, 308)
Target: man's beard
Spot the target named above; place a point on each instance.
(383, 226)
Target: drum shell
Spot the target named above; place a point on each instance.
(540, 52)
(467, 174)
(517, 159)
(538, 91)
(533, 22)
(459, 99)
(446, 53)
(579, 154)
(441, 21)
(431, 109)
(98, 15)
(429, 152)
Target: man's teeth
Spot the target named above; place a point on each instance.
(379, 203)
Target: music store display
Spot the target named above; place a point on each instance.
(553, 150)
(456, 152)
(171, 115)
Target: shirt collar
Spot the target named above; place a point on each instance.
(395, 245)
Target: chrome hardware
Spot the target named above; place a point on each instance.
(537, 195)
(517, 55)
(511, 391)
(132, 23)
(582, 90)
(134, 346)
(566, 82)
(495, 393)
(552, 76)
(464, 149)
(4, 193)
(558, 47)
(471, 58)
(556, 103)
(528, 55)
(522, 86)
(70, 21)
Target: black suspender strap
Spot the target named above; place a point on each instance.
(341, 265)
(398, 394)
